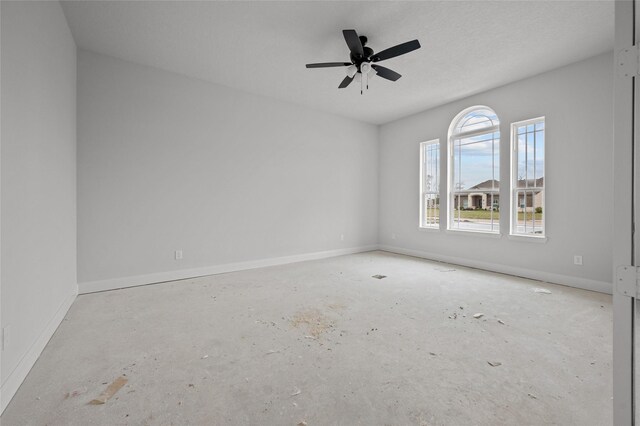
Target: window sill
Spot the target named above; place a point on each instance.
(429, 229)
(474, 233)
(528, 238)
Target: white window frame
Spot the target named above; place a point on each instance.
(513, 188)
(423, 192)
(450, 169)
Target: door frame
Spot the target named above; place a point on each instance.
(626, 180)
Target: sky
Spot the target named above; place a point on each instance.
(477, 159)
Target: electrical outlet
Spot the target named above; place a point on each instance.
(178, 254)
(341, 237)
(577, 260)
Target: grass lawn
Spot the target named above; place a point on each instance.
(486, 214)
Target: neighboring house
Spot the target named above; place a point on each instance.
(479, 196)
(486, 194)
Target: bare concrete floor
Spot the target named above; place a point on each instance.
(324, 343)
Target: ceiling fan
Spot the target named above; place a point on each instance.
(363, 59)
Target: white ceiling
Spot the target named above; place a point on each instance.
(262, 47)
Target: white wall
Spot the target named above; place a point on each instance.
(166, 162)
(577, 103)
(38, 255)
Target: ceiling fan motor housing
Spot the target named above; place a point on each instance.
(358, 60)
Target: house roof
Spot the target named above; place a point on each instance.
(493, 184)
(531, 182)
(487, 184)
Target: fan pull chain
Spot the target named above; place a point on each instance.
(361, 82)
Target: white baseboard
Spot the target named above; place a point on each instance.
(17, 376)
(137, 280)
(582, 283)
(181, 274)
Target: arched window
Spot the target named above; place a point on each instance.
(474, 171)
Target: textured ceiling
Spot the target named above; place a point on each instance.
(262, 47)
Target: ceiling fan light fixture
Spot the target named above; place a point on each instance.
(352, 70)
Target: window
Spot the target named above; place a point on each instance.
(474, 171)
(430, 184)
(527, 178)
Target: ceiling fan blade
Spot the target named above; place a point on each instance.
(386, 73)
(329, 64)
(347, 81)
(398, 50)
(353, 41)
